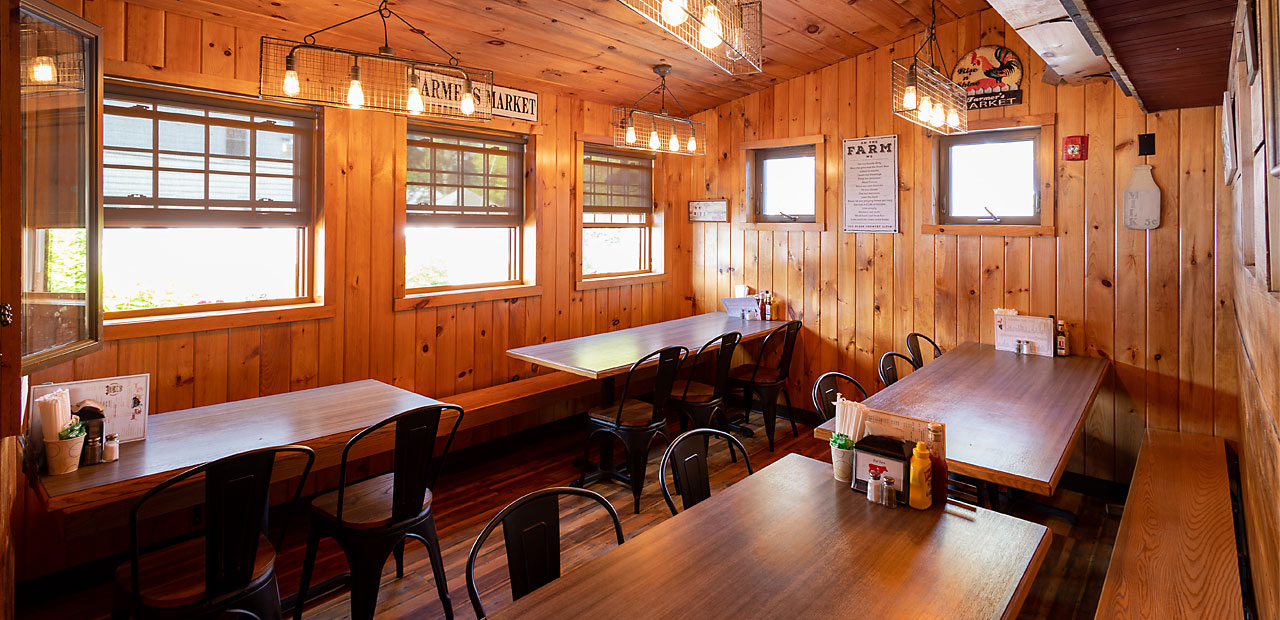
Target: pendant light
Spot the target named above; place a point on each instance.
(664, 129)
(308, 72)
(926, 96)
(726, 32)
(43, 71)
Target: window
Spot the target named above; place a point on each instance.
(617, 213)
(464, 210)
(207, 200)
(785, 184)
(990, 178)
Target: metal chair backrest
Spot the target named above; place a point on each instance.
(913, 348)
(728, 343)
(236, 502)
(782, 338)
(412, 474)
(825, 390)
(669, 361)
(688, 460)
(531, 529)
(889, 367)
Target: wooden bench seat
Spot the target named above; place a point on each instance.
(498, 402)
(1175, 553)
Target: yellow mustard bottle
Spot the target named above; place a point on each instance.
(921, 483)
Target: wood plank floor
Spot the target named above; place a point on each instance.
(483, 480)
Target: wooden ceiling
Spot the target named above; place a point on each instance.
(1175, 53)
(598, 49)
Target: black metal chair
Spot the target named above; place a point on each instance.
(231, 568)
(634, 423)
(827, 387)
(370, 520)
(689, 466)
(701, 403)
(769, 381)
(889, 367)
(531, 528)
(913, 348)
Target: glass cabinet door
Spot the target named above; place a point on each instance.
(61, 109)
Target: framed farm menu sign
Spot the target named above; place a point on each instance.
(991, 75)
(871, 184)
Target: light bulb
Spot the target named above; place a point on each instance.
(953, 118)
(468, 103)
(675, 143)
(416, 105)
(673, 12)
(654, 143)
(355, 93)
(631, 135)
(291, 85)
(43, 71)
(925, 106)
(909, 98)
(937, 116)
(693, 144)
(709, 35)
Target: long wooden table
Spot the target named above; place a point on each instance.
(1011, 419)
(323, 418)
(609, 354)
(792, 542)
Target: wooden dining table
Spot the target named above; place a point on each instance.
(790, 541)
(1010, 419)
(322, 418)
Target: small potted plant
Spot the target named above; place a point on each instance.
(63, 454)
(842, 456)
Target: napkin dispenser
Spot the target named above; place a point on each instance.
(886, 455)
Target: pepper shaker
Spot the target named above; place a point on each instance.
(890, 498)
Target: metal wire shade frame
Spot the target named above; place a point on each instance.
(926, 96)
(303, 71)
(53, 57)
(658, 132)
(726, 32)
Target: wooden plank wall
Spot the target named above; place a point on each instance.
(1258, 315)
(437, 351)
(1156, 303)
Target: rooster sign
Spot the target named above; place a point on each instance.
(991, 75)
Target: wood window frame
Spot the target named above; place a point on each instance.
(746, 215)
(658, 231)
(313, 244)
(528, 280)
(932, 222)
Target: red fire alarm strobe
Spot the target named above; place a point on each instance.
(1075, 148)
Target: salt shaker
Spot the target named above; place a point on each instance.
(875, 488)
(111, 449)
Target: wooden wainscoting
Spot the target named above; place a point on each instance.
(1158, 303)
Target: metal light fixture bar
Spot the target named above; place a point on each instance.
(726, 32)
(926, 96)
(659, 132)
(303, 71)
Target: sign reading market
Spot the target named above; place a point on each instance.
(991, 75)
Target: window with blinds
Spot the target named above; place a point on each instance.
(174, 160)
(208, 202)
(617, 212)
(464, 209)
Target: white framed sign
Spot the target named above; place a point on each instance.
(708, 210)
(871, 184)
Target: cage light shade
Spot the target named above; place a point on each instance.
(52, 59)
(322, 75)
(940, 105)
(737, 47)
(669, 131)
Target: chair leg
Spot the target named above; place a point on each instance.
(399, 553)
(365, 559)
(637, 445)
(265, 603)
(308, 565)
(586, 462)
(791, 413)
(722, 423)
(769, 402)
(747, 397)
(426, 532)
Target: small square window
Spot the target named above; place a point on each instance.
(989, 178)
(785, 184)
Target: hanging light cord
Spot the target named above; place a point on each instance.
(663, 91)
(383, 11)
(931, 40)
